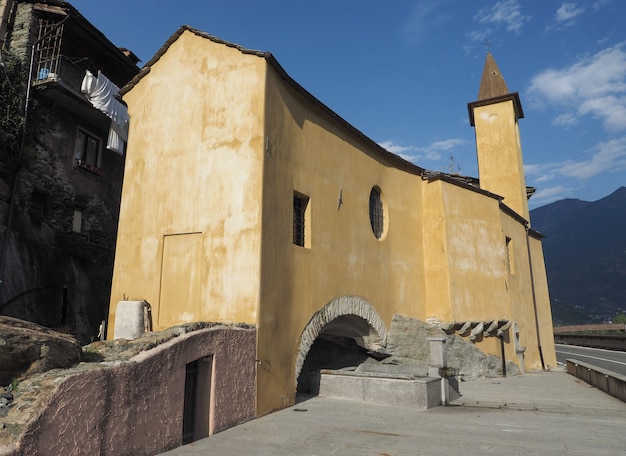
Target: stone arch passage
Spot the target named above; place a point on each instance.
(346, 316)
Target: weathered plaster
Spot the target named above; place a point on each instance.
(252, 137)
(136, 406)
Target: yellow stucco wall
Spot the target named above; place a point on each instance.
(544, 311)
(189, 229)
(499, 151)
(315, 156)
(220, 141)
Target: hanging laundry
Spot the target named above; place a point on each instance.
(101, 92)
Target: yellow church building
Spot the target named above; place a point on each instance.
(245, 199)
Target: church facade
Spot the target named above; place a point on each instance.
(245, 199)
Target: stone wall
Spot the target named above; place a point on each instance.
(132, 406)
(408, 345)
(58, 221)
(71, 284)
(21, 30)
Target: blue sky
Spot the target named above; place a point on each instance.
(403, 72)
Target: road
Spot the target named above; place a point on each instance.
(612, 360)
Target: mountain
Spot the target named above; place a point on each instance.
(585, 255)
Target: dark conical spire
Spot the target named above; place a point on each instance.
(492, 83)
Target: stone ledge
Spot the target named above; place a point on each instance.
(610, 382)
(400, 390)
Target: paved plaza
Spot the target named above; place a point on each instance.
(533, 414)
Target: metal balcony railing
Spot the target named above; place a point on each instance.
(64, 70)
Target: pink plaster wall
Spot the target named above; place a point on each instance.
(136, 407)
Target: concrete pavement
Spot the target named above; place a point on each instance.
(533, 414)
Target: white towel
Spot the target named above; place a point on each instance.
(101, 93)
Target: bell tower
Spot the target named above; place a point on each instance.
(494, 117)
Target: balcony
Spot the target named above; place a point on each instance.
(62, 70)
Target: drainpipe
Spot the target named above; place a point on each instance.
(532, 286)
(503, 355)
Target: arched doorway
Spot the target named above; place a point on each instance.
(345, 332)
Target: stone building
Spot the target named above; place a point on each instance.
(248, 200)
(60, 184)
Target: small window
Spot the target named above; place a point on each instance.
(77, 222)
(38, 206)
(510, 263)
(301, 220)
(377, 212)
(87, 152)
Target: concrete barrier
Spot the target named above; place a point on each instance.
(610, 382)
(588, 328)
(606, 341)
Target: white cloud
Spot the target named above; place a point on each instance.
(595, 86)
(479, 35)
(565, 120)
(567, 12)
(446, 144)
(595, 6)
(550, 194)
(608, 156)
(395, 148)
(505, 12)
(426, 15)
(409, 153)
(568, 176)
(432, 151)
(612, 109)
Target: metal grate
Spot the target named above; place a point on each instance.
(299, 209)
(377, 219)
(48, 49)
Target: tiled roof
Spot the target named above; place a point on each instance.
(492, 82)
(493, 90)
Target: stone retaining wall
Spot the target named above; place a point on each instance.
(134, 406)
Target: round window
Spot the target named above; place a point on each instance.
(377, 212)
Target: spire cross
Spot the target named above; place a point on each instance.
(488, 45)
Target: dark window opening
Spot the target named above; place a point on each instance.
(38, 206)
(87, 153)
(377, 218)
(196, 407)
(300, 222)
(189, 409)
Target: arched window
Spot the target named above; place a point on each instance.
(377, 216)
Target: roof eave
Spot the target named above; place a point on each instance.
(514, 97)
(271, 60)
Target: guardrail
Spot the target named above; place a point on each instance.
(585, 328)
(610, 382)
(607, 341)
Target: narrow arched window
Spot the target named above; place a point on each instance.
(377, 216)
(301, 220)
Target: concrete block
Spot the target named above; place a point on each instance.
(129, 319)
(400, 390)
